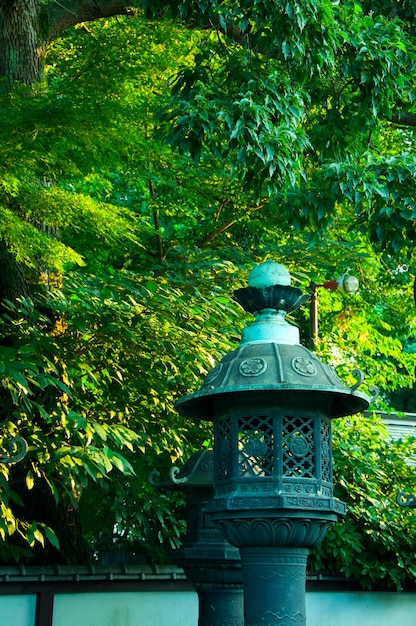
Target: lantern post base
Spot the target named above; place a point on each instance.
(218, 583)
(274, 549)
(274, 581)
(220, 605)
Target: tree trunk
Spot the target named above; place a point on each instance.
(13, 282)
(27, 27)
(22, 49)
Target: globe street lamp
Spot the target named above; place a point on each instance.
(346, 284)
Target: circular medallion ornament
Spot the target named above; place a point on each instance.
(252, 367)
(303, 366)
(298, 446)
(256, 447)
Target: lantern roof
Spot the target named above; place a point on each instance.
(195, 474)
(271, 361)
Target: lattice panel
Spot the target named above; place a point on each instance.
(326, 465)
(255, 446)
(298, 447)
(222, 435)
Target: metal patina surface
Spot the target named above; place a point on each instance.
(210, 562)
(272, 402)
(271, 359)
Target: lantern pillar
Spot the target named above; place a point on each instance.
(272, 402)
(210, 563)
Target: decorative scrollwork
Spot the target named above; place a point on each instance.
(174, 471)
(18, 450)
(359, 375)
(154, 478)
(405, 500)
(375, 392)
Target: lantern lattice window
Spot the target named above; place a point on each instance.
(298, 447)
(223, 449)
(326, 443)
(255, 446)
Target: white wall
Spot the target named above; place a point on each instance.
(17, 610)
(360, 609)
(180, 608)
(145, 608)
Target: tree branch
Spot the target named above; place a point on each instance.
(214, 233)
(61, 14)
(403, 118)
(226, 225)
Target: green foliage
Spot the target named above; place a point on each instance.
(299, 108)
(285, 149)
(374, 543)
(67, 447)
(367, 332)
(91, 387)
(134, 523)
(249, 124)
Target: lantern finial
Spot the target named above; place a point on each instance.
(269, 297)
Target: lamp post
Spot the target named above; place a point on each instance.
(272, 402)
(346, 284)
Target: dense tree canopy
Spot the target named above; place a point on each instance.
(148, 161)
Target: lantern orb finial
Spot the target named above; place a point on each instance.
(269, 297)
(268, 274)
